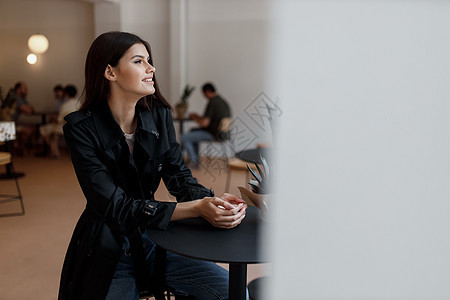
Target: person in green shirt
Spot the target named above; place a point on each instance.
(216, 110)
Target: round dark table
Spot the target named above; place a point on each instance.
(198, 239)
(251, 155)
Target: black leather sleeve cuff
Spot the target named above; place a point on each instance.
(150, 209)
(156, 214)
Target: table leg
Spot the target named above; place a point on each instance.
(237, 282)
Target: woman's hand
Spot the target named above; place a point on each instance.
(227, 212)
(233, 199)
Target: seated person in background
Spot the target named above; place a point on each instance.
(51, 131)
(60, 98)
(216, 109)
(20, 98)
(8, 107)
(25, 132)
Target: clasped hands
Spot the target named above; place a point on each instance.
(226, 211)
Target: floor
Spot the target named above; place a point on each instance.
(32, 247)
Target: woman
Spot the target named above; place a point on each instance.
(122, 143)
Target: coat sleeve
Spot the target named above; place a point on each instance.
(105, 199)
(176, 176)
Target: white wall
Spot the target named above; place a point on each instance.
(107, 17)
(364, 164)
(227, 43)
(69, 27)
(149, 19)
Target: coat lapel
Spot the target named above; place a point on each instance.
(149, 136)
(109, 130)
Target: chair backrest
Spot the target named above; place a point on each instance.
(7, 113)
(224, 128)
(8, 107)
(225, 124)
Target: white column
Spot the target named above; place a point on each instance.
(178, 48)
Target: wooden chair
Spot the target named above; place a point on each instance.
(5, 159)
(224, 127)
(217, 148)
(236, 164)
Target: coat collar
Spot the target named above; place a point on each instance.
(110, 132)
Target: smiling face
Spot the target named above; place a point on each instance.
(133, 75)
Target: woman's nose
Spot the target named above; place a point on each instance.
(150, 68)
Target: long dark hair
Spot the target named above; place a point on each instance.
(106, 49)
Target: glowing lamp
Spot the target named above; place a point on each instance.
(32, 59)
(38, 43)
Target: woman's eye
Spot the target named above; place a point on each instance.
(138, 61)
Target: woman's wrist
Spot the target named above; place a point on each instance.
(196, 208)
(184, 210)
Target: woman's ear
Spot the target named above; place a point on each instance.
(109, 73)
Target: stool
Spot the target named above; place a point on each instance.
(5, 159)
(254, 287)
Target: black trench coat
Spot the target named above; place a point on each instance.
(119, 189)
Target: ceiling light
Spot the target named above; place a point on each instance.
(38, 43)
(32, 58)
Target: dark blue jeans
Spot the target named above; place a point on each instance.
(190, 142)
(201, 279)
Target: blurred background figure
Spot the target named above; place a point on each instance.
(216, 110)
(52, 131)
(17, 98)
(15, 105)
(60, 97)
